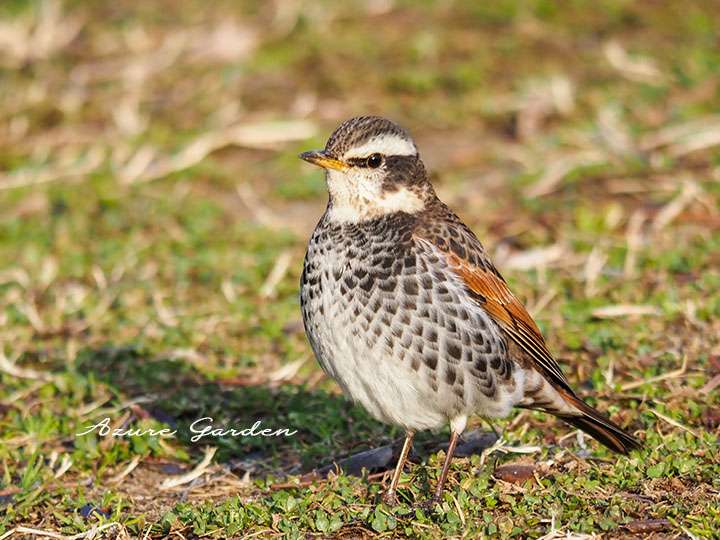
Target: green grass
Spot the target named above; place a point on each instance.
(149, 303)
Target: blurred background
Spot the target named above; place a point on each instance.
(154, 214)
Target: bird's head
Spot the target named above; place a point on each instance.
(372, 169)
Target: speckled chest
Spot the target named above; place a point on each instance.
(353, 276)
(390, 322)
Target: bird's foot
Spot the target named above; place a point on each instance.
(427, 505)
(390, 497)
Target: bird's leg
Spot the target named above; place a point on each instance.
(390, 496)
(446, 466)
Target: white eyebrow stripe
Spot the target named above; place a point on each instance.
(387, 145)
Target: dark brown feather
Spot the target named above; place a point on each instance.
(504, 307)
(598, 426)
(492, 293)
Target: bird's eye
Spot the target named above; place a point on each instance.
(374, 161)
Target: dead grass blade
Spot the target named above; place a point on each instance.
(677, 134)
(262, 135)
(38, 36)
(675, 207)
(634, 240)
(559, 168)
(276, 275)
(79, 167)
(664, 377)
(635, 68)
(198, 471)
(674, 423)
(126, 471)
(260, 212)
(711, 385)
(531, 259)
(8, 366)
(93, 532)
(624, 310)
(594, 265)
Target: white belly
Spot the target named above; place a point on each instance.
(415, 352)
(388, 389)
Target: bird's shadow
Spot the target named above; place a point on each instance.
(328, 432)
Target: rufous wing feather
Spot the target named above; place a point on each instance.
(505, 308)
(494, 296)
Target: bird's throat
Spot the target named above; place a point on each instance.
(354, 208)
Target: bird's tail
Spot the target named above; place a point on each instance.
(598, 426)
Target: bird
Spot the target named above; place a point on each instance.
(404, 309)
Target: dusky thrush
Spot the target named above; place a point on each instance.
(404, 309)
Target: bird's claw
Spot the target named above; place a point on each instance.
(428, 504)
(390, 498)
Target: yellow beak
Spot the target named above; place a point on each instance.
(321, 159)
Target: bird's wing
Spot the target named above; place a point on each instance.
(491, 292)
